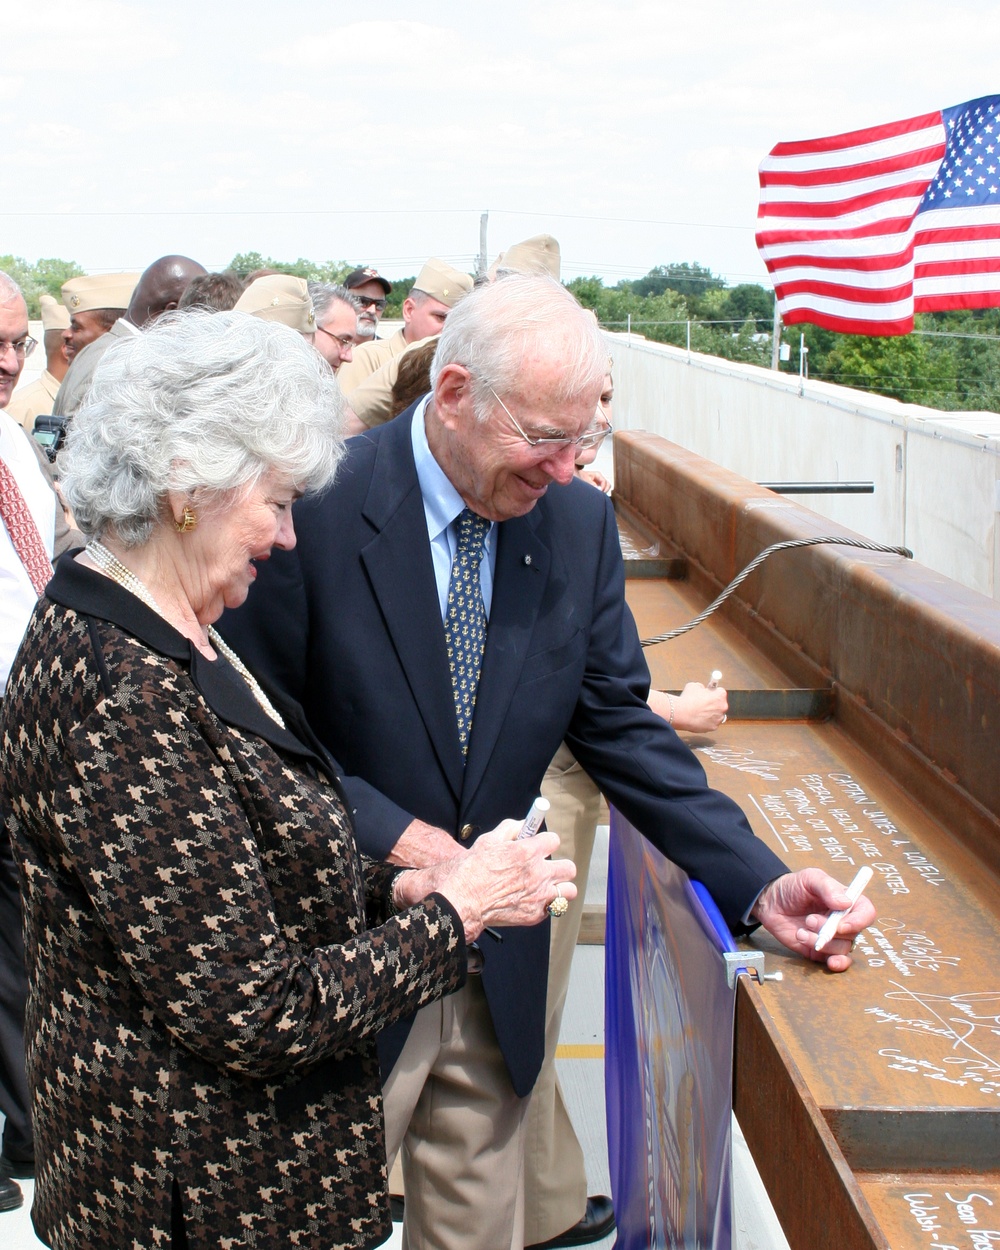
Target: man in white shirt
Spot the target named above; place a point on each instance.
(32, 533)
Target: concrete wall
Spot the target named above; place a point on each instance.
(937, 486)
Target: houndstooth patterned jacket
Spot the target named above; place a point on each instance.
(205, 991)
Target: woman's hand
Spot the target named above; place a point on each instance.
(498, 881)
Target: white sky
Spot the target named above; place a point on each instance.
(378, 133)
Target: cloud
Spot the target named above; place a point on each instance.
(96, 45)
(375, 49)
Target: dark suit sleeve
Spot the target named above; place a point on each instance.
(271, 634)
(643, 767)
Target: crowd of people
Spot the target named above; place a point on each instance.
(328, 611)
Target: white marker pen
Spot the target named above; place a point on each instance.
(853, 892)
(533, 820)
(713, 681)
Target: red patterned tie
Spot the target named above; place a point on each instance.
(23, 531)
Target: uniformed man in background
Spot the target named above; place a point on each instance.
(157, 291)
(39, 396)
(436, 291)
(371, 289)
(283, 298)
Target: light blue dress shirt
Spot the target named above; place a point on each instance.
(442, 507)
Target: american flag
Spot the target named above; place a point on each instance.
(859, 231)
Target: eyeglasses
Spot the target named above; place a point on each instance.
(345, 340)
(367, 301)
(592, 437)
(21, 349)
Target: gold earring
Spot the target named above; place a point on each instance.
(188, 521)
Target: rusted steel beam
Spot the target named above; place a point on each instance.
(871, 1101)
(814, 1192)
(918, 650)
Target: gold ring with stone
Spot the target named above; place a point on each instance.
(559, 906)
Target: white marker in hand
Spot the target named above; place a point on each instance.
(533, 820)
(713, 681)
(853, 892)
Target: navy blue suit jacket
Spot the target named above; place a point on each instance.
(349, 625)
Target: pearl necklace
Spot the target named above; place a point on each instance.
(110, 564)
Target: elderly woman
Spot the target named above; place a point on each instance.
(210, 960)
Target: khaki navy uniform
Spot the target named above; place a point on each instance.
(34, 400)
(368, 359)
(80, 373)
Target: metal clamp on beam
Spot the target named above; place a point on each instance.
(750, 962)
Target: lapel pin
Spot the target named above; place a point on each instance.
(527, 560)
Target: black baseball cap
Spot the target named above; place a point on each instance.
(358, 277)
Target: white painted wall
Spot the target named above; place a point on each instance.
(936, 474)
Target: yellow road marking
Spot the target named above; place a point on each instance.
(585, 1051)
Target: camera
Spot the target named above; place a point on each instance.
(49, 431)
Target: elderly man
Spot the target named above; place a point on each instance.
(453, 610)
(370, 289)
(436, 291)
(337, 313)
(38, 398)
(158, 290)
(33, 531)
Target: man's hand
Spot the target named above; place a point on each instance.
(794, 907)
(420, 845)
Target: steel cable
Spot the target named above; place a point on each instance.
(741, 577)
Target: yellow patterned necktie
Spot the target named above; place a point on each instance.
(465, 620)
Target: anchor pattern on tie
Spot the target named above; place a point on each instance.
(465, 620)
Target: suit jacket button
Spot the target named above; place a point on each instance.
(466, 832)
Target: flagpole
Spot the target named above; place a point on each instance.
(775, 335)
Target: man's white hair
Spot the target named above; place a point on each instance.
(493, 329)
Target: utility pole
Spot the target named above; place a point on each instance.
(483, 219)
(775, 335)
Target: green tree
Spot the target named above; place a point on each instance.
(46, 276)
(684, 278)
(401, 287)
(245, 263)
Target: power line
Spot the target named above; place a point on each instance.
(370, 212)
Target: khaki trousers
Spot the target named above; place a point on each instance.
(555, 1188)
(452, 1115)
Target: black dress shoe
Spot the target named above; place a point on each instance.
(19, 1169)
(598, 1221)
(10, 1194)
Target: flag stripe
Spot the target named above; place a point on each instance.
(858, 138)
(807, 277)
(818, 178)
(874, 296)
(843, 207)
(860, 265)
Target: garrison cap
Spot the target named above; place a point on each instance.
(358, 277)
(443, 283)
(539, 254)
(99, 290)
(280, 297)
(55, 316)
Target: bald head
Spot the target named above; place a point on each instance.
(160, 287)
